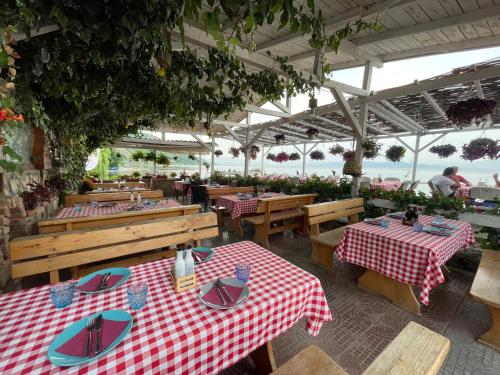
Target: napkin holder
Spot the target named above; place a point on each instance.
(183, 283)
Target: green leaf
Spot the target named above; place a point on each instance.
(4, 59)
(60, 17)
(9, 151)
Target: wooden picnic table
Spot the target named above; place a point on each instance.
(174, 333)
(397, 258)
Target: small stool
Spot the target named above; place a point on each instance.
(311, 361)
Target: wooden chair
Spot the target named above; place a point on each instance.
(415, 350)
(123, 196)
(486, 289)
(324, 244)
(61, 225)
(275, 211)
(51, 252)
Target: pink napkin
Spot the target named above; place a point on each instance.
(373, 221)
(202, 254)
(93, 283)
(77, 345)
(212, 296)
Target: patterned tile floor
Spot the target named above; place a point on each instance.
(364, 323)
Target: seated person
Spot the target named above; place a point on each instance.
(497, 182)
(460, 179)
(444, 183)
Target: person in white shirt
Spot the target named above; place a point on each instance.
(444, 183)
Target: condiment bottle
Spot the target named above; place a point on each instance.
(189, 261)
(180, 265)
(131, 198)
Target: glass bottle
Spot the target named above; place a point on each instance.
(180, 265)
(189, 261)
(131, 199)
(139, 200)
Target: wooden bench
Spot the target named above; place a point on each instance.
(275, 211)
(51, 252)
(486, 289)
(61, 225)
(324, 244)
(415, 350)
(124, 196)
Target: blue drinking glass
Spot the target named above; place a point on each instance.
(77, 207)
(243, 271)
(137, 295)
(62, 294)
(384, 223)
(418, 227)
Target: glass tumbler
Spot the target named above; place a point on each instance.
(384, 223)
(418, 227)
(137, 295)
(243, 271)
(62, 294)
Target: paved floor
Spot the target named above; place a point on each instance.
(363, 324)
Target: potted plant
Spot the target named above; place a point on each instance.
(481, 148)
(312, 132)
(173, 175)
(282, 157)
(443, 151)
(395, 153)
(235, 152)
(271, 157)
(136, 174)
(347, 155)
(137, 155)
(294, 156)
(371, 148)
(163, 160)
(336, 150)
(280, 138)
(313, 102)
(192, 157)
(150, 156)
(470, 111)
(317, 155)
(218, 153)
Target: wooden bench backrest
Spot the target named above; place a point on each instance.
(61, 225)
(328, 211)
(415, 350)
(288, 202)
(70, 200)
(215, 193)
(50, 252)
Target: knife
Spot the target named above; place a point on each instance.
(223, 288)
(98, 330)
(220, 294)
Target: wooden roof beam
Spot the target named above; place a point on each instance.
(347, 111)
(340, 20)
(391, 117)
(333, 132)
(398, 112)
(434, 105)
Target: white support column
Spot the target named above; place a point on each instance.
(163, 136)
(415, 158)
(262, 160)
(304, 161)
(247, 146)
(212, 156)
(199, 163)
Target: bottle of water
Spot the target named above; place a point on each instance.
(139, 200)
(180, 265)
(131, 199)
(189, 261)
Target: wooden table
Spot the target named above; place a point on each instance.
(174, 333)
(397, 258)
(238, 208)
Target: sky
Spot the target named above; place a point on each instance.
(394, 74)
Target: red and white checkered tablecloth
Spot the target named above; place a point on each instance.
(238, 207)
(402, 254)
(386, 185)
(88, 210)
(174, 333)
(179, 185)
(463, 192)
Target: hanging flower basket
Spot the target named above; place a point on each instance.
(336, 150)
(313, 103)
(282, 157)
(192, 123)
(163, 160)
(317, 155)
(218, 153)
(294, 156)
(347, 155)
(481, 148)
(192, 157)
(312, 133)
(235, 152)
(271, 157)
(395, 153)
(371, 148)
(253, 152)
(352, 167)
(470, 111)
(150, 156)
(280, 138)
(443, 151)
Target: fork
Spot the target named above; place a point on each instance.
(104, 281)
(90, 326)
